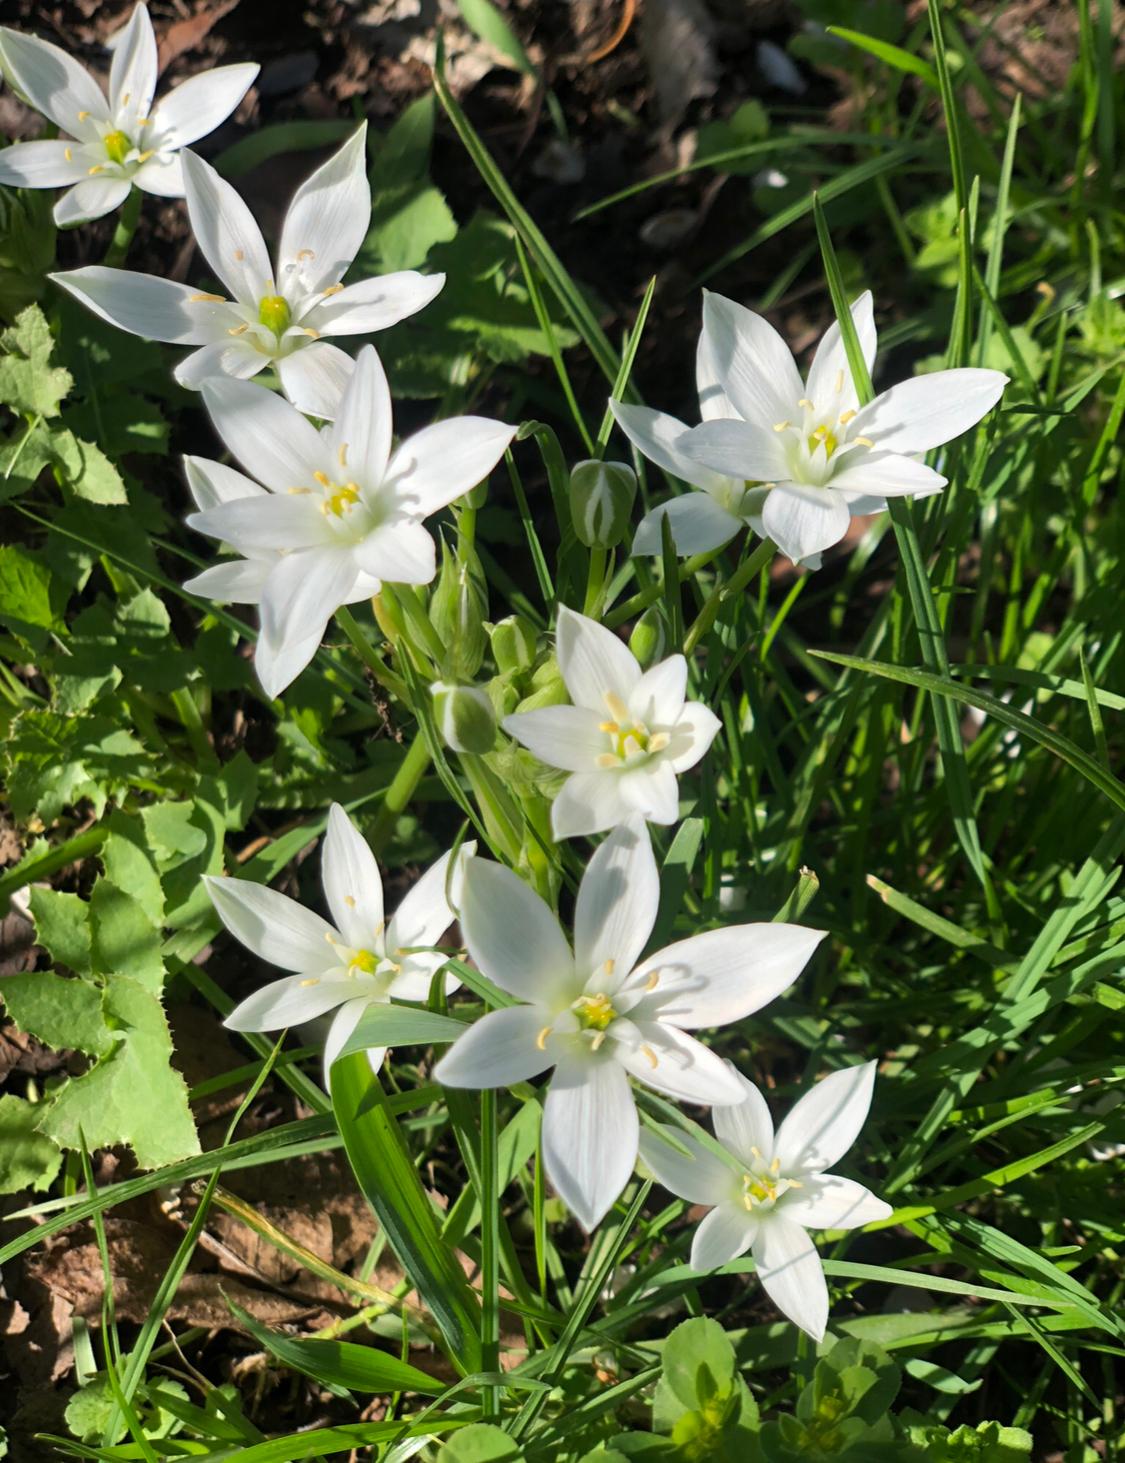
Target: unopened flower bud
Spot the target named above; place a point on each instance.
(601, 500)
(464, 717)
(457, 609)
(649, 639)
(513, 643)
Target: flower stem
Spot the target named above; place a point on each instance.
(403, 786)
(645, 597)
(595, 582)
(369, 655)
(489, 1249)
(126, 228)
(746, 571)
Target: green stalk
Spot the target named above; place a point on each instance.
(748, 570)
(595, 582)
(489, 1250)
(369, 655)
(640, 601)
(403, 786)
(50, 862)
(123, 234)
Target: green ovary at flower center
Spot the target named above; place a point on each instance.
(627, 737)
(338, 497)
(762, 1185)
(824, 437)
(595, 1013)
(273, 312)
(363, 962)
(117, 146)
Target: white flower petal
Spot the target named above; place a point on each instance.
(238, 582)
(440, 463)
(928, 410)
(219, 360)
(226, 232)
(343, 1024)
(327, 220)
(360, 439)
(697, 1175)
(132, 72)
(791, 1273)
(714, 403)
(162, 175)
(651, 791)
(513, 937)
(884, 475)
(827, 1201)
(499, 1049)
(301, 594)
(753, 363)
(93, 198)
(401, 551)
(277, 929)
(562, 736)
(212, 483)
(724, 975)
(53, 83)
(658, 436)
(589, 1136)
(267, 524)
(616, 906)
(658, 697)
(288, 1002)
(694, 731)
(353, 885)
(268, 436)
(593, 662)
(144, 304)
(697, 522)
(803, 521)
(198, 105)
(374, 304)
(724, 1234)
(40, 165)
(425, 913)
(830, 386)
(678, 1065)
(745, 1126)
(589, 802)
(740, 450)
(824, 1124)
(314, 378)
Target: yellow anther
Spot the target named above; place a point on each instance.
(82, 116)
(125, 98)
(349, 900)
(238, 329)
(617, 707)
(650, 1056)
(305, 254)
(658, 742)
(775, 1166)
(299, 492)
(333, 289)
(68, 154)
(312, 980)
(804, 401)
(608, 966)
(309, 331)
(342, 454)
(204, 298)
(863, 442)
(608, 726)
(144, 121)
(239, 255)
(380, 927)
(820, 433)
(653, 981)
(781, 426)
(839, 386)
(756, 1152)
(143, 157)
(323, 479)
(97, 168)
(607, 759)
(846, 417)
(541, 1039)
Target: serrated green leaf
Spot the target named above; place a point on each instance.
(25, 596)
(64, 1013)
(87, 471)
(133, 1095)
(126, 942)
(53, 761)
(28, 1159)
(62, 927)
(129, 863)
(29, 384)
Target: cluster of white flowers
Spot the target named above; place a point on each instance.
(324, 514)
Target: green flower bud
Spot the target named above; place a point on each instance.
(649, 638)
(513, 643)
(601, 500)
(464, 717)
(457, 609)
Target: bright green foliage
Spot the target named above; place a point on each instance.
(29, 1159)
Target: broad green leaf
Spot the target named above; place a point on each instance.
(480, 1443)
(133, 1095)
(62, 927)
(25, 596)
(54, 760)
(403, 154)
(63, 1013)
(402, 1026)
(28, 1159)
(125, 940)
(29, 384)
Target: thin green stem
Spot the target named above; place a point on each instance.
(403, 786)
(369, 655)
(748, 570)
(645, 597)
(78, 847)
(489, 1249)
(123, 233)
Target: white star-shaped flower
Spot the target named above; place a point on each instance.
(358, 960)
(599, 1014)
(819, 454)
(279, 313)
(117, 142)
(625, 739)
(775, 1187)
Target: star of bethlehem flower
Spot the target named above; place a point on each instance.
(358, 960)
(599, 1014)
(113, 143)
(330, 513)
(279, 313)
(625, 739)
(818, 456)
(775, 1187)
